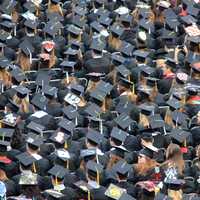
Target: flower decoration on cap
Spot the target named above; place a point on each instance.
(48, 45)
(182, 76)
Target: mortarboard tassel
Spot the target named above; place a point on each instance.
(56, 180)
(185, 143)
(30, 55)
(65, 145)
(98, 177)
(89, 195)
(67, 164)
(34, 168)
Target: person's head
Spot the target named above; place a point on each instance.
(175, 155)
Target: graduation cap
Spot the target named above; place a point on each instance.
(98, 46)
(98, 95)
(117, 58)
(179, 135)
(117, 30)
(49, 91)
(6, 134)
(96, 26)
(71, 52)
(104, 87)
(163, 4)
(31, 23)
(42, 78)
(126, 196)
(122, 167)
(80, 11)
(54, 193)
(39, 101)
(63, 154)
(4, 62)
(93, 110)
(54, 16)
(196, 66)
(148, 151)
(79, 21)
(38, 128)
(126, 83)
(67, 125)
(146, 109)
(68, 65)
(70, 112)
(156, 121)
(25, 159)
(123, 120)
(72, 99)
(83, 186)
(146, 25)
(105, 20)
(52, 27)
(28, 179)
(173, 103)
(85, 153)
(141, 55)
(118, 134)
(151, 81)
(18, 74)
(7, 24)
(114, 192)
(59, 137)
(124, 106)
(30, 6)
(74, 30)
(126, 48)
(172, 23)
(179, 118)
(174, 184)
(94, 136)
(77, 88)
(94, 169)
(146, 70)
(22, 91)
(188, 20)
(8, 6)
(123, 71)
(10, 118)
(57, 171)
(34, 140)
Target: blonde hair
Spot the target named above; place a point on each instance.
(24, 61)
(24, 103)
(52, 8)
(114, 42)
(113, 160)
(175, 194)
(143, 120)
(5, 77)
(53, 58)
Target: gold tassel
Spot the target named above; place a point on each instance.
(89, 195)
(65, 145)
(98, 177)
(185, 143)
(67, 164)
(34, 168)
(56, 180)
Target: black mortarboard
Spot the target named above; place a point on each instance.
(7, 24)
(93, 110)
(193, 11)
(70, 112)
(188, 20)
(118, 58)
(8, 6)
(123, 71)
(141, 54)
(174, 184)
(126, 18)
(26, 159)
(42, 78)
(104, 87)
(118, 134)
(83, 186)
(124, 106)
(172, 23)
(146, 25)
(148, 151)
(55, 16)
(126, 48)
(55, 1)
(173, 103)
(4, 62)
(98, 95)
(38, 128)
(67, 125)
(13, 106)
(123, 120)
(34, 140)
(117, 30)
(146, 70)
(78, 21)
(57, 171)
(114, 192)
(179, 135)
(151, 81)
(96, 26)
(94, 168)
(52, 27)
(122, 167)
(156, 121)
(105, 20)
(50, 91)
(31, 24)
(22, 90)
(87, 153)
(63, 154)
(68, 65)
(29, 5)
(54, 193)
(77, 89)
(179, 118)
(80, 10)
(71, 52)
(40, 101)
(6, 134)
(146, 109)
(18, 74)
(170, 62)
(97, 45)
(59, 137)
(126, 83)
(94, 136)
(74, 30)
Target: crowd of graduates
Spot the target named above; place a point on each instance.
(99, 100)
